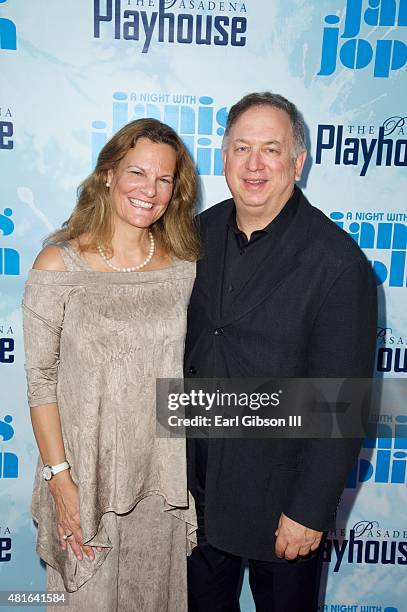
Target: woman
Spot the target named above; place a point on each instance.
(104, 316)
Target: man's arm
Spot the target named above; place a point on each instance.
(342, 345)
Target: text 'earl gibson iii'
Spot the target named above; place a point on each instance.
(293, 420)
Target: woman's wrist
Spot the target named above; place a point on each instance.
(59, 480)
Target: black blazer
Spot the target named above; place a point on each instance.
(310, 310)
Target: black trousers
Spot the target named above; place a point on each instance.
(214, 582)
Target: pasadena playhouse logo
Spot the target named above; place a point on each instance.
(365, 543)
(363, 145)
(204, 22)
(8, 460)
(195, 118)
(344, 38)
(8, 33)
(383, 237)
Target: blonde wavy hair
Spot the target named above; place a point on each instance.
(175, 232)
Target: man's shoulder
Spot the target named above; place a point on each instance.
(215, 213)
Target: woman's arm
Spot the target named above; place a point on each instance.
(48, 434)
(42, 374)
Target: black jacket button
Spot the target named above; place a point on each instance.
(192, 370)
(218, 331)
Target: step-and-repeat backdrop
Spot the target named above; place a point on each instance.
(72, 73)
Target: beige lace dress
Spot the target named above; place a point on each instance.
(95, 344)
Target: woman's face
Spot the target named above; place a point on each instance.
(141, 186)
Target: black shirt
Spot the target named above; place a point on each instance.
(243, 256)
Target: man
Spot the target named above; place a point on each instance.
(281, 291)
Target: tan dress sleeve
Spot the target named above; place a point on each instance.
(43, 314)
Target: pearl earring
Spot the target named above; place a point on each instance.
(107, 184)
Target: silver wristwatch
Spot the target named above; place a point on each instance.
(49, 471)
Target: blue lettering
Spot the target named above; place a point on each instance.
(367, 153)
(120, 110)
(6, 224)
(223, 38)
(205, 115)
(359, 547)
(390, 55)
(340, 551)
(200, 38)
(382, 14)
(8, 465)
(372, 551)
(182, 118)
(8, 461)
(131, 30)
(351, 153)
(99, 18)
(399, 159)
(353, 18)
(398, 473)
(98, 140)
(401, 432)
(148, 28)
(8, 33)
(356, 53)
(388, 152)
(384, 558)
(6, 350)
(171, 18)
(189, 28)
(204, 156)
(239, 26)
(403, 550)
(9, 262)
(329, 47)
(5, 545)
(387, 469)
(6, 430)
(322, 143)
(185, 28)
(6, 132)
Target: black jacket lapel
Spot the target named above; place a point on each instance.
(277, 265)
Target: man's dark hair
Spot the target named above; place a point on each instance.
(266, 98)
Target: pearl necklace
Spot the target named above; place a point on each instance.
(134, 268)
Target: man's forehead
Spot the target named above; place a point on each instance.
(249, 139)
(265, 122)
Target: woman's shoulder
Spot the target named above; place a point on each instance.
(50, 258)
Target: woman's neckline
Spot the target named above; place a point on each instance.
(173, 262)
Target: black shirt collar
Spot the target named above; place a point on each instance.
(281, 221)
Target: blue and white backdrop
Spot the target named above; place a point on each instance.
(72, 73)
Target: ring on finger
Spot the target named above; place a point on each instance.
(67, 535)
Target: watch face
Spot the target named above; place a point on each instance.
(46, 472)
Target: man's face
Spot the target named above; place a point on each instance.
(259, 163)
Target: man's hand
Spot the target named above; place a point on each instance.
(293, 539)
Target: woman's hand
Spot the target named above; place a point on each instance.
(66, 496)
